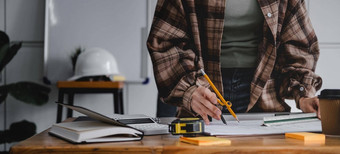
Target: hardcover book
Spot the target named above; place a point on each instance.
(102, 129)
(94, 131)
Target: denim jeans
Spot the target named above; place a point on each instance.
(165, 110)
(236, 85)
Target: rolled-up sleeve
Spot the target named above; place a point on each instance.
(172, 54)
(298, 55)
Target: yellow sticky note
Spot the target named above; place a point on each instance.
(307, 137)
(205, 140)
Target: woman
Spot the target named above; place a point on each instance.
(257, 53)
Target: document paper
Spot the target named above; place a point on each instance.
(255, 127)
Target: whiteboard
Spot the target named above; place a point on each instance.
(119, 26)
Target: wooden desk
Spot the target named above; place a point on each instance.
(73, 87)
(44, 143)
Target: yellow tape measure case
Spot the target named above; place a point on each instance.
(187, 126)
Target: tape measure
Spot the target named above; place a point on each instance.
(187, 126)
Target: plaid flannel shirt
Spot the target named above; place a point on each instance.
(186, 36)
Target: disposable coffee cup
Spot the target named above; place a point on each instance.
(329, 100)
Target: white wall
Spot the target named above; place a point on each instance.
(325, 18)
(24, 20)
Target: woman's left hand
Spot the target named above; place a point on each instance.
(310, 105)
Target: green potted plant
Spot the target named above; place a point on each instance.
(27, 92)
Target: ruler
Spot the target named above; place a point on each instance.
(289, 119)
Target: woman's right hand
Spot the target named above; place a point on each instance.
(203, 102)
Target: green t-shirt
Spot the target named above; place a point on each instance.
(243, 22)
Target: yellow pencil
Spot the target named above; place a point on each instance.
(227, 104)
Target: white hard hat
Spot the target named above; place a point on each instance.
(95, 62)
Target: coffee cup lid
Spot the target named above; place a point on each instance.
(330, 94)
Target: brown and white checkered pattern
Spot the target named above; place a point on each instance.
(186, 36)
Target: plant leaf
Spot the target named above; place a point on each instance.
(29, 92)
(3, 51)
(74, 57)
(3, 93)
(18, 131)
(9, 54)
(3, 97)
(4, 39)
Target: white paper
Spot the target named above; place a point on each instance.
(255, 127)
